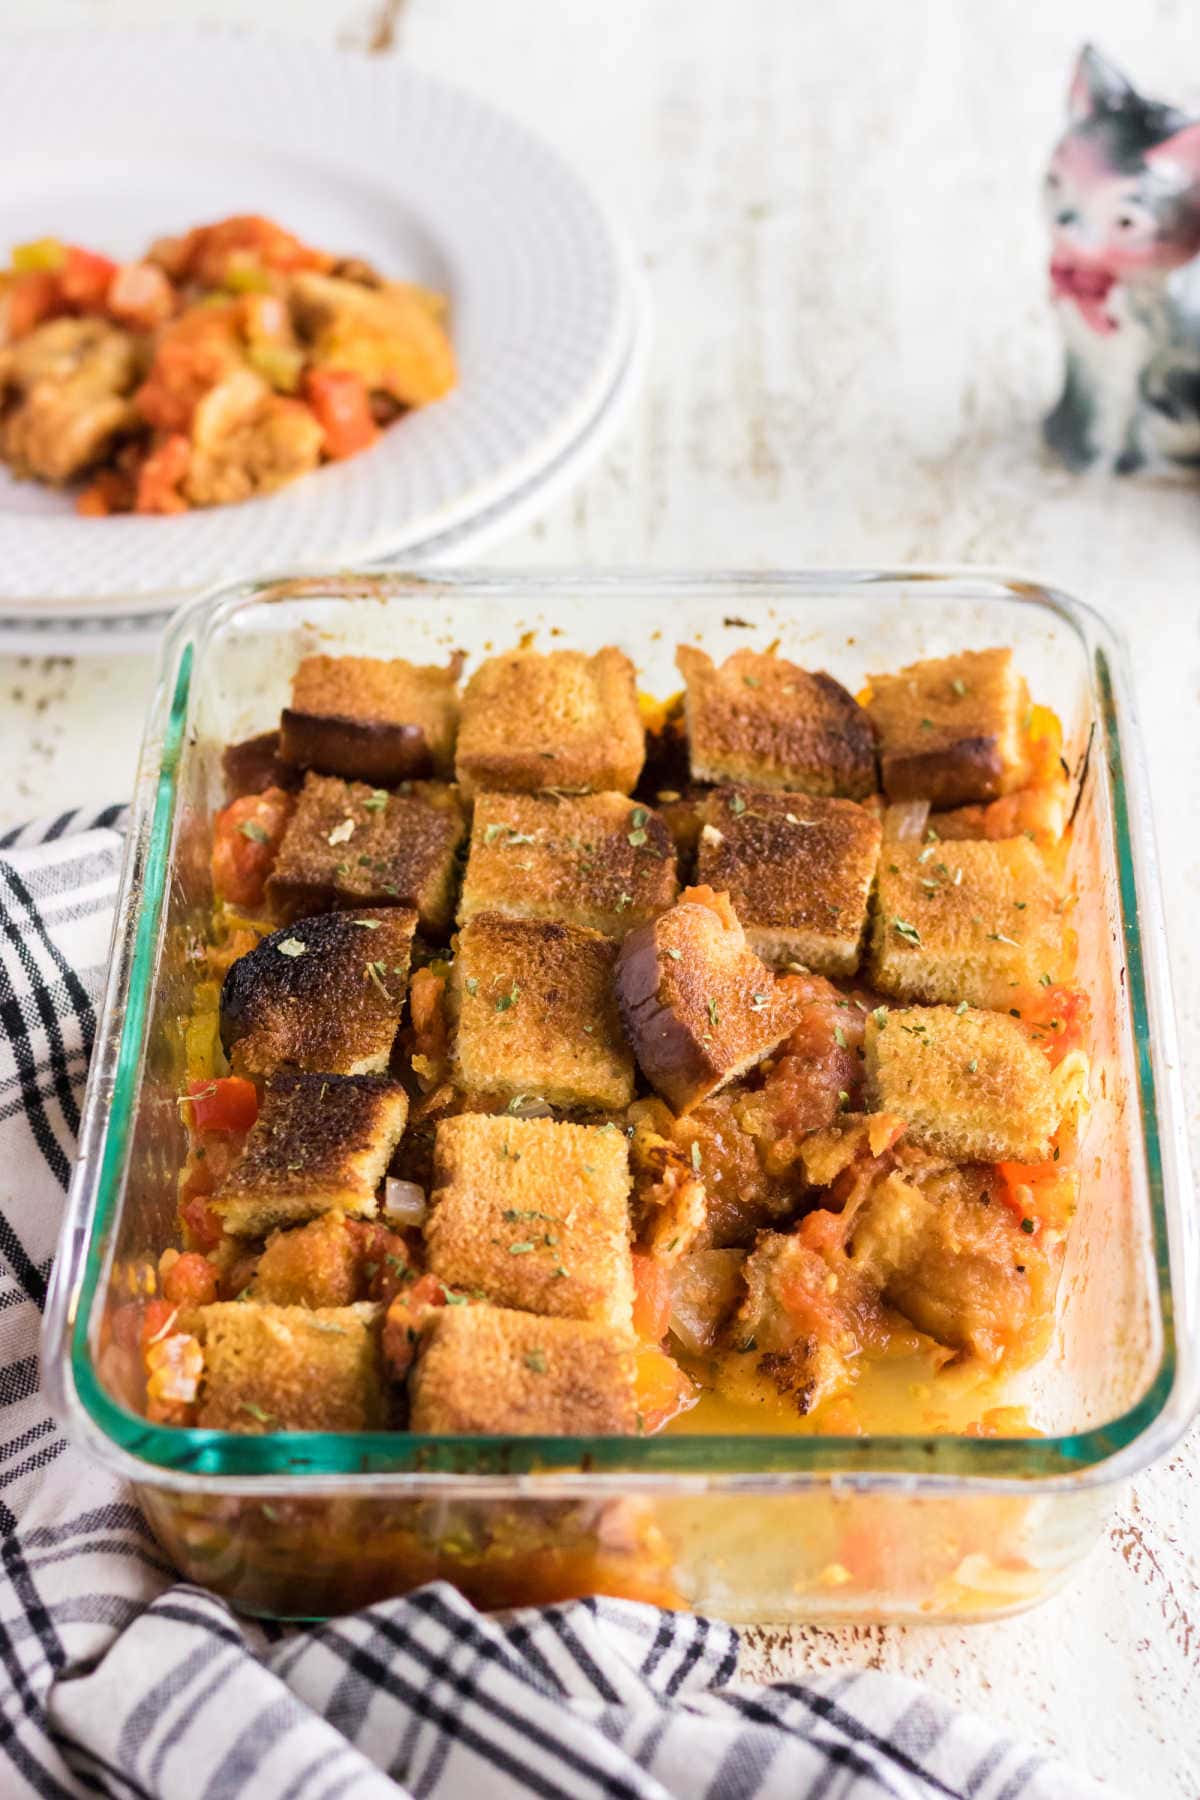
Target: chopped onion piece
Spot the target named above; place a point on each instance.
(404, 1202)
(904, 821)
(529, 1106)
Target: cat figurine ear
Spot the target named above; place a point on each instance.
(1177, 158)
(1095, 84)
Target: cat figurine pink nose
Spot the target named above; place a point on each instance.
(1122, 198)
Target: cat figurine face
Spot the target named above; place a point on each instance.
(1122, 200)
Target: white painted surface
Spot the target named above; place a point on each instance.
(836, 209)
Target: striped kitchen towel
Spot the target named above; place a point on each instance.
(119, 1679)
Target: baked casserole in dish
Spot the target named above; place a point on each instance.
(637, 1084)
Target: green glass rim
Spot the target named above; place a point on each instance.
(912, 1460)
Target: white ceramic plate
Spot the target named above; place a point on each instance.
(100, 631)
(114, 139)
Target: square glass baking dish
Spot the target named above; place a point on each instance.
(751, 1527)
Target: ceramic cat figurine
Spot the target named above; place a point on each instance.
(1122, 196)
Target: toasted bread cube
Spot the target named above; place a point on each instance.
(798, 870)
(320, 1142)
(368, 720)
(954, 1258)
(971, 1085)
(599, 861)
(973, 921)
(533, 1213)
(290, 1368)
(698, 1006)
(563, 720)
(351, 845)
(535, 1013)
(799, 1331)
(761, 720)
(324, 995)
(952, 729)
(318, 1264)
(487, 1369)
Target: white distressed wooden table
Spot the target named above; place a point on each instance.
(836, 209)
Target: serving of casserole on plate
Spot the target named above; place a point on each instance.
(628, 1085)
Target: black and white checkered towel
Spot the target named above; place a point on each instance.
(120, 1680)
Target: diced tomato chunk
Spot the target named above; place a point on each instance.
(246, 839)
(156, 1316)
(201, 1223)
(160, 475)
(230, 1104)
(1058, 1017)
(720, 903)
(651, 1297)
(191, 1280)
(403, 1319)
(1042, 1192)
(85, 278)
(32, 299)
(342, 405)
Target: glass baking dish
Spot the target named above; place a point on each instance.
(751, 1527)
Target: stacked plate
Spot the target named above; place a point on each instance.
(116, 139)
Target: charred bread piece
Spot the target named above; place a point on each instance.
(255, 765)
(761, 720)
(351, 845)
(320, 1142)
(368, 720)
(324, 995)
(952, 729)
(973, 921)
(533, 1213)
(600, 861)
(290, 1368)
(970, 1085)
(798, 870)
(534, 1013)
(955, 1259)
(562, 720)
(487, 1369)
(697, 1004)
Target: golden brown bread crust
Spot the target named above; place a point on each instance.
(290, 1368)
(763, 721)
(600, 861)
(351, 845)
(952, 729)
(325, 994)
(535, 1013)
(970, 1085)
(562, 720)
(533, 1213)
(975, 920)
(698, 1006)
(370, 720)
(487, 1369)
(798, 869)
(320, 1142)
